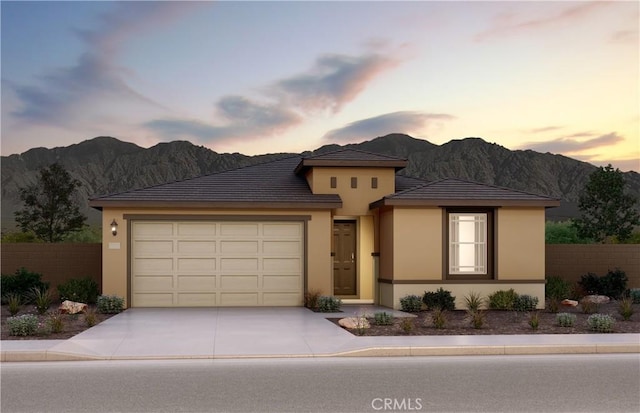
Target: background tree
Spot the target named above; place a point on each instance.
(49, 210)
(606, 211)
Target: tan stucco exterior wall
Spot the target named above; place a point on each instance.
(417, 245)
(386, 244)
(355, 201)
(365, 249)
(114, 248)
(520, 243)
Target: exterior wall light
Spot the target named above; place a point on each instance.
(114, 227)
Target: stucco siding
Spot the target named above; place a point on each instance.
(365, 267)
(520, 244)
(417, 249)
(386, 244)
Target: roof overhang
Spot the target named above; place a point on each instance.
(99, 204)
(306, 164)
(546, 203)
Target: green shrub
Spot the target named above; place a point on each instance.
(602, 323)
(613, 284)
(23, 325)
(634, 293)
(110, 304)
(407, 325)
(83, 290)
(329, 304)
(525, 302)
(476, 318)
(90, 317)
(534, 320)
(473, 301)
(502, 299)
(56, 322)
(441, 299)
(411, 303)
(556, 287)
(566, 319)
(14, 301)
(625, 308)
(42, 299)
(311, 299)
(439, 318)
(22, 283)
(383, 319)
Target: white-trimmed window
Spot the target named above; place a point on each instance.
(468, 243)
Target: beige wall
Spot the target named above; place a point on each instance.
(355, 201)
(386, 244)
(417, 246)
(365, 249)
(114, 248)
(520, 243)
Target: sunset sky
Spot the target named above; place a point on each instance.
(261, 77)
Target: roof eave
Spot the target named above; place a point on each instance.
(546, 203)
(103, 203)
(305, 164)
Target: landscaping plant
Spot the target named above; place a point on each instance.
(90, 317)
(589, 307)
(329, 304)
(411, 303)
(625, 308)
(22, 283)
(383, 319)
(438, 317)
(525, 302)
(502, 299)
(84, 290)
(634, 293)
(534, 320)
(440, 299)
(476, 318)
(556, 289)
(407, 325)
(23, 325)
(56, 322)
(613, 284)
(13, 303)
(110, 304)
(311, 299)
(566, 319)
(42, 298)
(602, 323)
(473, 301)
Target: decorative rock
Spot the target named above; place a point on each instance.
(354, 323)
(569, 303)
(71, 307)
(596, 299)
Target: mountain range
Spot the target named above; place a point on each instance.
(107, 165)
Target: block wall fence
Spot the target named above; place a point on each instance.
(571, 261)
(56, 262)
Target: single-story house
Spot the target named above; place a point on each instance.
(340, 223)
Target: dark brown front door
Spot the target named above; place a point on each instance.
(344, 260)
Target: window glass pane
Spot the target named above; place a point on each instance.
(467, 243)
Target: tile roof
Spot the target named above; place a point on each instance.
(271, 184)
(404, 182)
(457, 192)
(351, 158)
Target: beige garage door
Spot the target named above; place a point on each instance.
(202, 264)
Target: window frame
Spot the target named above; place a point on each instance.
(488, 274)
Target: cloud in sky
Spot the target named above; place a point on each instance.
(510, 23)
(246, 119)
(545, 129)
(401, 122)
(333, 81)
(570, 145)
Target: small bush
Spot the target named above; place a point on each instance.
(407, 325)
(441, 299)
(534, 320)
(438, 317)
(411, 303)
(602, 323)
(554, 305)
(42, 299)
(383, 319)
(502, 300)
(634, 293)
(625, 308)
(476, 318)
(311, 299)
(566, 319)
(329, 304)
(473, 301)
(613, 284)
(83, 290)
(14, 301)
(56, 322)
(110, 304)
(22, 283)
(589, 307)
(90, 317)
(525, 302)
(556, 287)
(23, 325)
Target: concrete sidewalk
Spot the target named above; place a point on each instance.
(206, 333)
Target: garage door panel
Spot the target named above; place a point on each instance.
(213, 263)
(239, 247)
(196, 265)
(281, 282)
(197, 283)
(239, 282)
(150, 248)
(145, 266)
(196, 247)
(197, 229)
(238, 299)
(153, 300)
(196, 300)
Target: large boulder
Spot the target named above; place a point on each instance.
(354, 323)
(596, 299)
(71, 307)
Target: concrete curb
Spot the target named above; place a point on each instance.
(46, 355)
